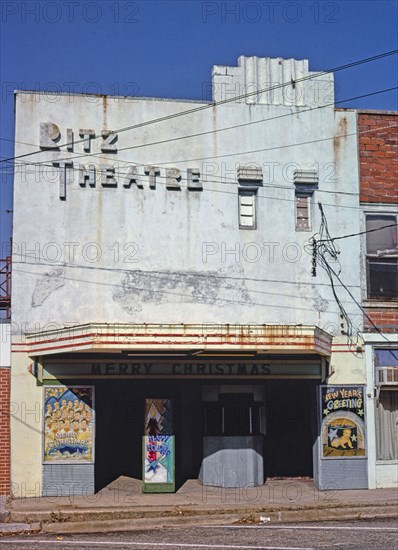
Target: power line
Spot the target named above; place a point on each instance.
(324, 248)
(170, 140)
(211, 132)
(262, 197)
(233, 180)
(331, 239)
(330, 249)
(159, 275)
(217, 130)
(43, 163)
(361, 308)
(234, 99)
(259, 196)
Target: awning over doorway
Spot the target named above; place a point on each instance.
(186, 339)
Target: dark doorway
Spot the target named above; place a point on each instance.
(119, 408)
(290, 427)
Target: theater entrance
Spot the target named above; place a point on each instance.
(278, 416)
(234, 423)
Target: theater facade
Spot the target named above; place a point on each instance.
(170, 317)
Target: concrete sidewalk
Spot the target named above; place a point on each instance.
(122, 506)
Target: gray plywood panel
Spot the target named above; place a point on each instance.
(340, 473)
(68, 479)
(232, 461)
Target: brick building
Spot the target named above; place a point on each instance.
(5, 379)
(378, 158)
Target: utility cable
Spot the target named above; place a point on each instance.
(171, 140)
(212, 132)
(331, 250)
(235, 98)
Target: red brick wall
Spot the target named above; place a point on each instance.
(385, 319)
(378, 157)
(5, 430)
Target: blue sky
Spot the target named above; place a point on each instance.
(167, 49)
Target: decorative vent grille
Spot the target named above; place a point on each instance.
(305, 177)
(250, 174)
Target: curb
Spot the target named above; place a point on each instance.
(18, 528)
(138, 524)
(236, 518)
(203, 521)
(76, 515)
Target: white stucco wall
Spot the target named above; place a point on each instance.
(246, 275)
(26, 430)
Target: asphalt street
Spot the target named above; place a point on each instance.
(359, 535)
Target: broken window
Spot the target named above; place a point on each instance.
(382, 256)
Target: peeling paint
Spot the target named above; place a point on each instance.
(310, 292)
(207, 287)
(46, 285)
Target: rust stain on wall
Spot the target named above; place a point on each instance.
(340, 135)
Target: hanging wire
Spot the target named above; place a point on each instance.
(324, 250)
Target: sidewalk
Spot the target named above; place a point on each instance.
(122, 506)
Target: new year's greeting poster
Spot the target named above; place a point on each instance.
(343, 426)
(68, 424)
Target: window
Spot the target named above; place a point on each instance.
(302, 213)
(386, 365)
(247, 208)
(306, 183)
(382, 256)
